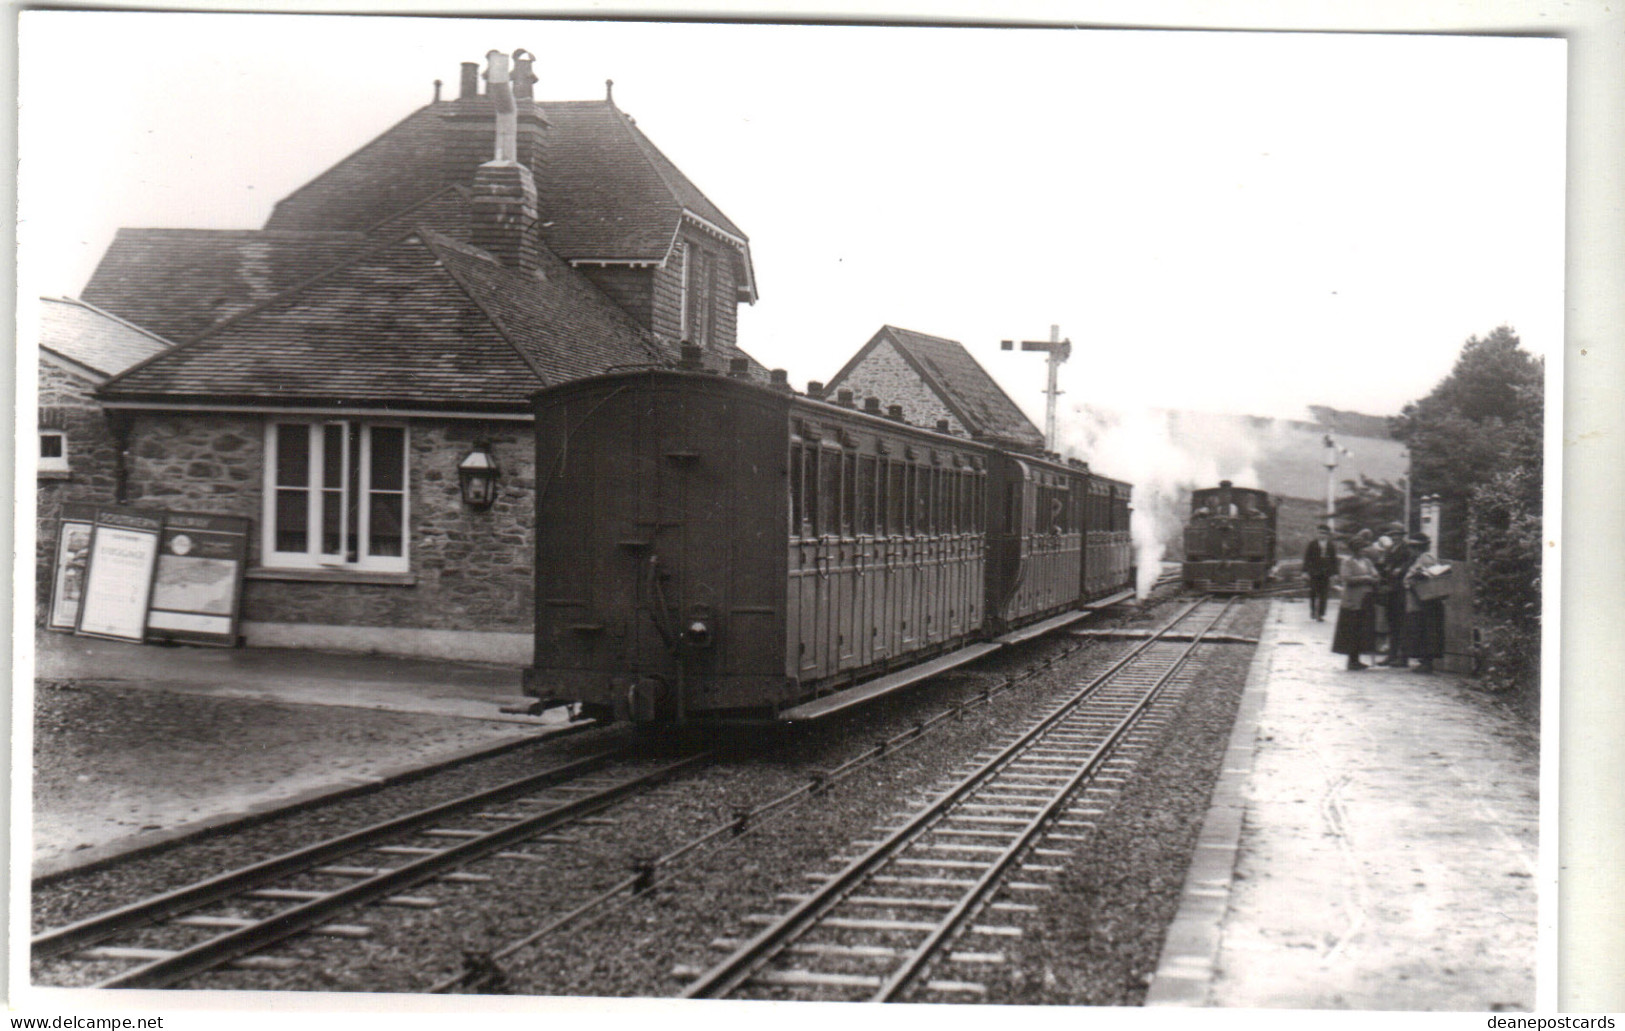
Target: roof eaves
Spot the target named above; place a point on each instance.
(740, 244)
(126, 323)
(90, 371)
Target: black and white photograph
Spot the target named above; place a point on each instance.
(575, 510)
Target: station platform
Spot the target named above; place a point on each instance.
(1372, 843)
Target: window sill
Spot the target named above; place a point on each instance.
(55, 474)
(333, 576)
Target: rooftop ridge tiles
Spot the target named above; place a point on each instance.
(347, 158)
(433, 241)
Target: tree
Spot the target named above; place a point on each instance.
(1474, 421)
(1476, 441)
(1370, 504)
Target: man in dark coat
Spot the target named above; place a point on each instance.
(1393, 569)
(1320, 565)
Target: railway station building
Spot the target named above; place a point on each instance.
(935, 380)
(350, 376)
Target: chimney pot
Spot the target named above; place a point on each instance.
(691, 355)
(894, 412)
(871, 405)
(437, 85)
(524, 80)
(778, 379)
(844, 398)
(470, 86)
(815, 389)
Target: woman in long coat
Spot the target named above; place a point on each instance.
(1356, 632)
(1424, 620)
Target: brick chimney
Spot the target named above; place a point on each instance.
(467, 121)
(505, 213)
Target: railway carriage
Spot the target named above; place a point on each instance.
(709, 546)
(1230, 539)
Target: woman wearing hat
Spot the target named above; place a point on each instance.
(1424, 620)
(1355, 633)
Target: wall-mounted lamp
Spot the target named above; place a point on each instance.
(477, 476)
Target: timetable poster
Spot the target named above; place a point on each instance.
(118, 579)
(68, 572)
(199, 580)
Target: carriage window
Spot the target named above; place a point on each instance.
(849, 500)
(829, 492)
(909, 477)
(866, 495)
(896, 501)
(922, 501)
(795, 490)
(809, 491)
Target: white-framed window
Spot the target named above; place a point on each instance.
(53, 450)
(336, 495)
(697, 287)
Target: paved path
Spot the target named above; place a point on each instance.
(1372, 844)
(426, 686)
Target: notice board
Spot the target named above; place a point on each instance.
(73, 530)
(197, 589)
(118, 574)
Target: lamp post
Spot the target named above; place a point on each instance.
(1329, 460)
(1406, 518)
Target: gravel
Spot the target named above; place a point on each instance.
(111, 762)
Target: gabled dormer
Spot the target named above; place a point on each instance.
(609, 203)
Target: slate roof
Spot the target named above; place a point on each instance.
(605, 190)
(94, 338)
(958, 380)
(179, 282)
(418, 321)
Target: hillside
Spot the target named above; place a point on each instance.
(1166, 453)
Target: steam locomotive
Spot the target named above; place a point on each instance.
(738, 550)
(1230, 539)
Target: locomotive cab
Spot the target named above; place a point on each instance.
(1230, 539)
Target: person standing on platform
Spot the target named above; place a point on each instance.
(1354, 634)
(1424, 620)
(1320, 565)
(1393, 567)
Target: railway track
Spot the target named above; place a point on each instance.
(230, 919)
(233, 920)
(914, 917)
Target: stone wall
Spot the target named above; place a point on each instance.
(470, 571)
(65, 404)
(886, 374)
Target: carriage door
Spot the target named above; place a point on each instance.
(803, 615)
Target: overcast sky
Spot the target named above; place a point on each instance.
(1233, 222)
